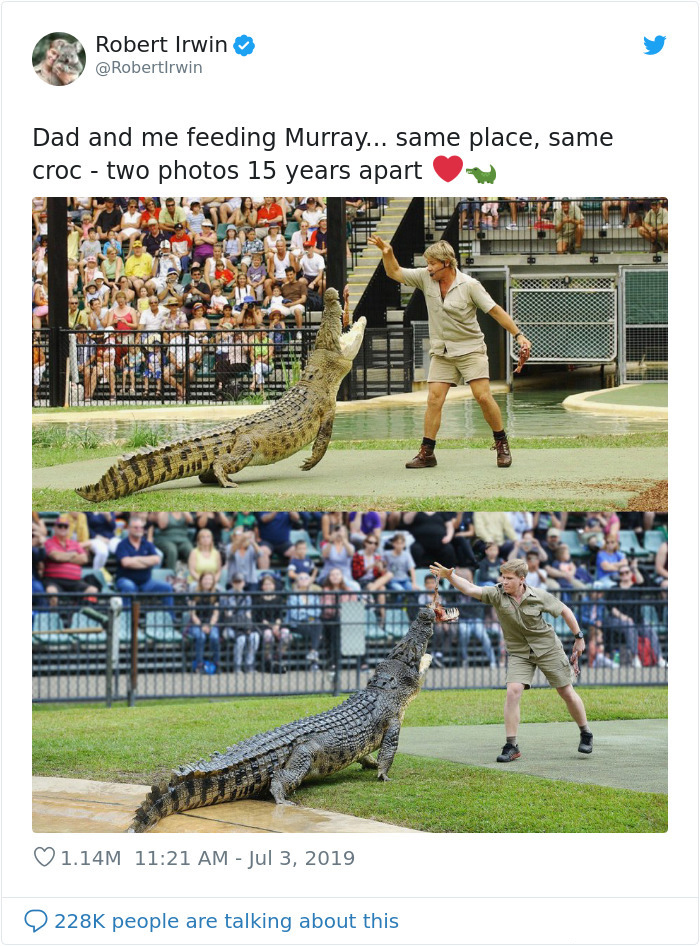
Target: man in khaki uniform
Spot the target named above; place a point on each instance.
(457, 347)
(569, 226)
(530, 643)
(655, 226)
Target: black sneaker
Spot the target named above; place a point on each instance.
(586, 744)
(509, 753)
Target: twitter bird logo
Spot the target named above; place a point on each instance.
(654, 46)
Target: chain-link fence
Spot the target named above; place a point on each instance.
(95, 647)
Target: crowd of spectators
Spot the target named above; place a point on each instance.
(156, 284)
(260, 578)
(569, 218)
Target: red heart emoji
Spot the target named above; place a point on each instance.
(448, 168)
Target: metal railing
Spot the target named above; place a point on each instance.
(112, 646)
(526, 227)
(202, 367)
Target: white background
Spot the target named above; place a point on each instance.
(380, 67)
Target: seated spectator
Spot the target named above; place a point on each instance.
(171, 216)
(109, 219)
(320, 237)
(472, 623)
(154, 239)
(172, 536)
(269, 213)
(150, 212)
(130, 226)
(233, 248)
(103, 540)
(300, 562)
(238, 619)
(139, 266)
(304, 616)
(627, 617)
(597, 657)
(362, 524)
(569, 226)
(489, 215)
(400, 563)
(607, 204)
(198, 291)
(218, 300)
(90, 246)
(243, 291)
(528, 543)
(294, 293)
(298, 239)
(261, 354)
(569, 574)
(252, 244)
(536, 575)
(275, 529)
(244, 558)
(136, 558)
(245, 214)
(204, 558)
(654, 229)
(165, 274)
(277, 265)
(64, 558)
(104, 366)
(661, 565)
(256, 275)
(489, 570)
(609, 561)
(180, 362)
(221, 270)
(270, 618)
(493, 527)
(370, 570)
(312, 269)
(338, 552)
(38, 365)
(310, 211)
(181, 246)
(194, 217)
(204, 242)
(112, 268)
(230, 358)
(432, 533)
(203, 623)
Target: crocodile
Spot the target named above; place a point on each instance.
(483, 177)
(305, 414)
(277, 762)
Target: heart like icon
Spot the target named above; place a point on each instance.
(448, 168)
(44, 855)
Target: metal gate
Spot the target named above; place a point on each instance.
(568, 319)
(644, 328)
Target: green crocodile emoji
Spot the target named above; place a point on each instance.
(483, 177)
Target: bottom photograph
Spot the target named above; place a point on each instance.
(350, 672)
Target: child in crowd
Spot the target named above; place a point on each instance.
(300, 562)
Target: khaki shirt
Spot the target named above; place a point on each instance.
(656, 220)
(452, 323)
(524, 628)
(575, 213)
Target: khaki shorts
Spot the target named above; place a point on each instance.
(554, 665)
(468, 367)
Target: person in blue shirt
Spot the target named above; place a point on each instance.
(608, 563)
(136, 559)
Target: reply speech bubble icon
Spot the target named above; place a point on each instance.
(36, 919)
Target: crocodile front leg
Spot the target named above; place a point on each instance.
(387, 750)
(323, 438)
(223, 469)
(368, 762)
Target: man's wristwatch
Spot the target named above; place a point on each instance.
(579, 636)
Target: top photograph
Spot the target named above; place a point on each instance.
(408, 353)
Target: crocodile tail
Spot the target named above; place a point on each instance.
(151, 466)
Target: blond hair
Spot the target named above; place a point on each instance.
(516, 565)
(443, 252)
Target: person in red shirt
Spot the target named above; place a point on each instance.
(269, 213)
(64, 558)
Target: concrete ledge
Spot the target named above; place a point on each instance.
(583, 402)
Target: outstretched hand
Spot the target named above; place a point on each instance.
(379, 243)
(439, 571)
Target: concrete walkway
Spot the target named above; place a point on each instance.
(83, 806)
(573, 478)
(629, 753)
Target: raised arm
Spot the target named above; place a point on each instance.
(461, 584)
(391, 265)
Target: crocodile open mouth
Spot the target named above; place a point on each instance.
(351, 340)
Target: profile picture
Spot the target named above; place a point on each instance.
(58, 58)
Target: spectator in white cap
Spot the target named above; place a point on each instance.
(204, 242)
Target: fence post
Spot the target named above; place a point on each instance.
(134, 662)
(115, 605)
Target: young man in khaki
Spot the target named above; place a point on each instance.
(457, 347)
(530, 643)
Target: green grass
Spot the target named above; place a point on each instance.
(645, 395)
(142, 744)
(167, 500)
